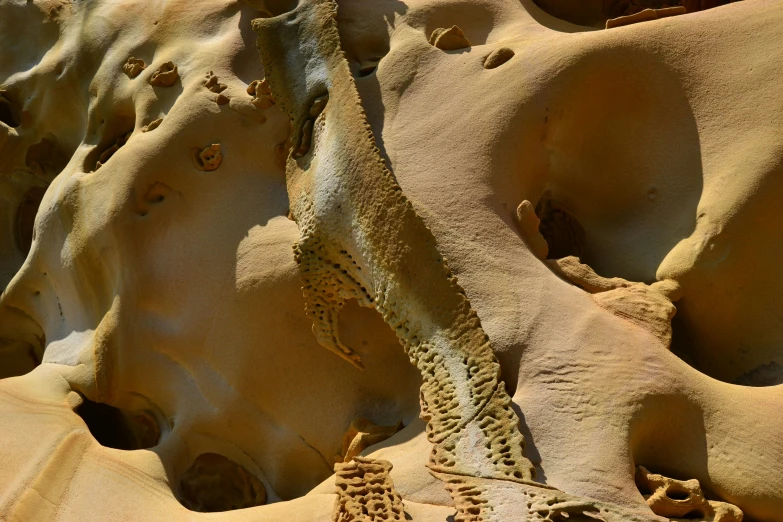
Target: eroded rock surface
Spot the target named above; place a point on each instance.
(526, 265)
(365, 492)
(683, 499)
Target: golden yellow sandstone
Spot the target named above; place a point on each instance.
(535, 273)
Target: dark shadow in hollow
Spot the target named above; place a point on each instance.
(563, 233)
(364, 36)
(550, 20)
(214, 483)
(6, 111)
(475, 20)
(272, 8)
(615, 162)
(246, 64)
(118, 429)
(48, 155)
(531, 452)
(17, 358)
(590, 15)
(111, 135)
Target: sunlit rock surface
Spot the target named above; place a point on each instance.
(471, 260)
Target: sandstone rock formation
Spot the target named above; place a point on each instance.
(526, 281)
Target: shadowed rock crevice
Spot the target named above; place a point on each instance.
(272, 8)
(214, 483)
(6, 110)
(560, 228)
(119, 429)
(112, 132)
(596, 13)
(46, 158)
(18, 358)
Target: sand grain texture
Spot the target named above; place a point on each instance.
(318, 260)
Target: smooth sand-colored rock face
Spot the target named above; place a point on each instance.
(534, 270)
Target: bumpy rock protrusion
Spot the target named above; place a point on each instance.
(208, 158)
(648, 306)
(213, 84)
(645, 15)
(485, 500)
(151, 126)
(498, 57)
(108, 153)
(365, 492)
(165, 76)
(682, 498)
(617, 8)
(361, 434)
(528, 223)
(262, 95)
(133, 67)
(450, 39)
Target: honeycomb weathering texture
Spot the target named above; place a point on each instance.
(361, 239)
(683, 499)
(366, 493)
(481, 500)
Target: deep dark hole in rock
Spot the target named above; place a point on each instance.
(214, 483)
(367, 70)
(561, 230)
(118, 429)
(676, 494)
(6, 113)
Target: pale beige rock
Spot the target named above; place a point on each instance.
(498, 57)
(649, 160)
(154, 124)
(528, 222)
